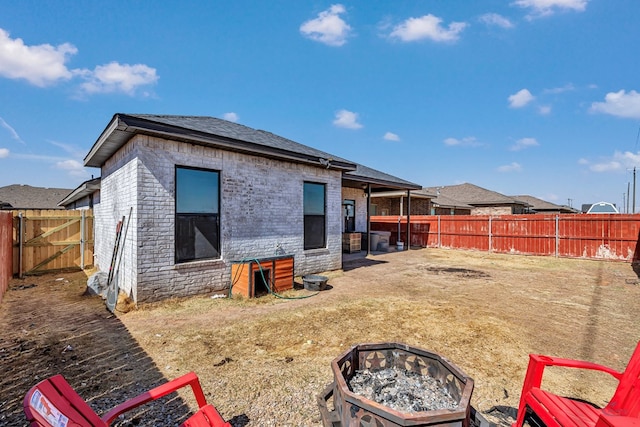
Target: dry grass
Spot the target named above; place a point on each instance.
(269, 358)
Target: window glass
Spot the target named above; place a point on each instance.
(197, 191)
(314, 216)
(197, 214)
(313, 199)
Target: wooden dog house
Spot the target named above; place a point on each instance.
(254, 277)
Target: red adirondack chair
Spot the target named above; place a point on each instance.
(53, 403)
(623, 409)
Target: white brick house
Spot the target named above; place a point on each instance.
(202, 192)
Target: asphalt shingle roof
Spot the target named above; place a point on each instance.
(542, 205)
(224, 128)
(27, 197)
(471, 194)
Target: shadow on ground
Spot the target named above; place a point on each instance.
(88, 345)
(358, 260)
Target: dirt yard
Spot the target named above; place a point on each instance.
(263, 362)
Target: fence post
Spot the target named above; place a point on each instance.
(20, 246)
(490, 242)
(557, 236)
(439, 241)
(82, 238)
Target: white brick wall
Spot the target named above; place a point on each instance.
(261, 209)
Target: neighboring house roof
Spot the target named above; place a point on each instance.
(540, 205)
(222, 134)
(83, 190)
(447, 202)
(18, 196)
(473, 195)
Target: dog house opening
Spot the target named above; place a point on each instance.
(261, 282)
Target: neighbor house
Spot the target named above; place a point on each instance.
(199, 193)
(19, 196)
(85, 196)
(397, 203)
(443, 205)
(540, 206)
(481, 200)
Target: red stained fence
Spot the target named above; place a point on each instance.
(594, 236)
(6, 251)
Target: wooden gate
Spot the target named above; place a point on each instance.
(50, 240)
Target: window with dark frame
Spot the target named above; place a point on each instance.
(314, 216)
(197, 214)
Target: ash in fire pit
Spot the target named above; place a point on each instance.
(402, 390)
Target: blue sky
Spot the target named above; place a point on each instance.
(536, 97)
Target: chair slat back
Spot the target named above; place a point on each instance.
(626, 399)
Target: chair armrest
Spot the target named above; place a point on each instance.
(189, 379)
(538, 362)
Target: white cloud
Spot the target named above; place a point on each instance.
(496, 20)
(620, 104)
(619, 162)
(74, 167)
(566, 88)
(544, 109)
(390, 136)
(328, 28)
(467, 141)
(41, 65)
(609, 166)
(347, 119)
(512, 167)
(11, 130)
(520, 98)
(4, 153)
(115, 77)
(541, 8)
(232, 117)
(523, 143)
(427, 27)
(44, 65)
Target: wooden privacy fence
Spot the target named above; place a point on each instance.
(594, 236)
(50, 240)
(6, 264)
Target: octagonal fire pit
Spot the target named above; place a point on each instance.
(353, 409)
